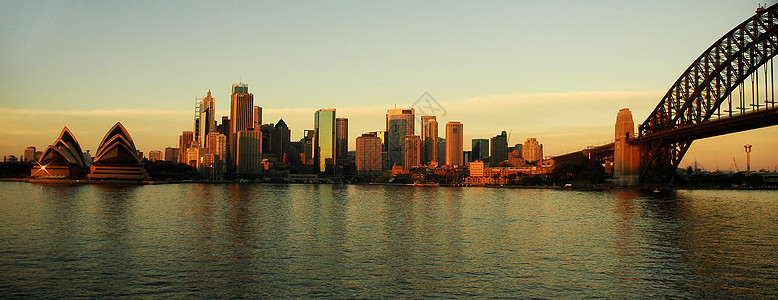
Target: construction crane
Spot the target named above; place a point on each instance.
(736, 168)
(698, 167)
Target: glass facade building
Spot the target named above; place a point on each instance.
(324, 138)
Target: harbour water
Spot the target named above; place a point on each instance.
(258, 241)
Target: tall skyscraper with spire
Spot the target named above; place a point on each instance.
(207, 117)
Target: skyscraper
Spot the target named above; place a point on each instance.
(454, 136)
(412, 153)
(216, 143)
(249, 160)
(399, 123)
(341, 135)
(532, 151)
(184, 142)
(257, 117)
(171, 155)
(429, 139)
(29, 154)
(281, 141)
(207, 117)
(155, 155)
(368, 158)
(441, 151)
(197, 111)
(240, 88)
(480, 150)
(324, 143)
(241, 117)
(499, 150)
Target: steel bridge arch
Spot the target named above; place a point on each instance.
(704, 86)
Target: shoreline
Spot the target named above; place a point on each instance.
(423, 185)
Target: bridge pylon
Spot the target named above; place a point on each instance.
(626, 157)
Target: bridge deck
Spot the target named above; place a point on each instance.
(754, 120)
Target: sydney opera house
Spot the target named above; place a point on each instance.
(116, 159)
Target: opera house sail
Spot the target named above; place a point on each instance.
(117, 158)
(61, 160)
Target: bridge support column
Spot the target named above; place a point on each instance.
(626, 157)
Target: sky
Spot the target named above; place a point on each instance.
(555, 70)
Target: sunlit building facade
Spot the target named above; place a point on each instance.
(324, 138)
(532, 150)
(184, 142)
(368, 155)
(341, 137)
(412, 152)
(399, 123)
(454, 139)
(155, 155)
(241, 117)
(429, 139)
(29, 154)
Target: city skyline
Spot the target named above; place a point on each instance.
(566, 111)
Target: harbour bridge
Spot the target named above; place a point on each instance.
(728, 88)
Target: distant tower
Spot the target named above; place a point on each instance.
(399, 123)
(241, 117)
(324, 144)
(249, 160)
(281, 141)
(626, 158)
(207, 117)
(412, 152)
(748, 158)
(197, 111)
(240, 88)
(479, 149)
(499, 150)
(184, 142)
(341, 135)
(257, 117)
(454, 140)
(29, 154)
(532, 150)
(429, 139)
(368, 154)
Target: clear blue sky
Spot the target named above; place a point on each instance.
(144, 62)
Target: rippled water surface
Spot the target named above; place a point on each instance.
(257, 241)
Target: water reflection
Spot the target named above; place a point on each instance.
(262, 241)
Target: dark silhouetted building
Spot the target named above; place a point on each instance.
(479, 150)
(429, 140)
(499, 150)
